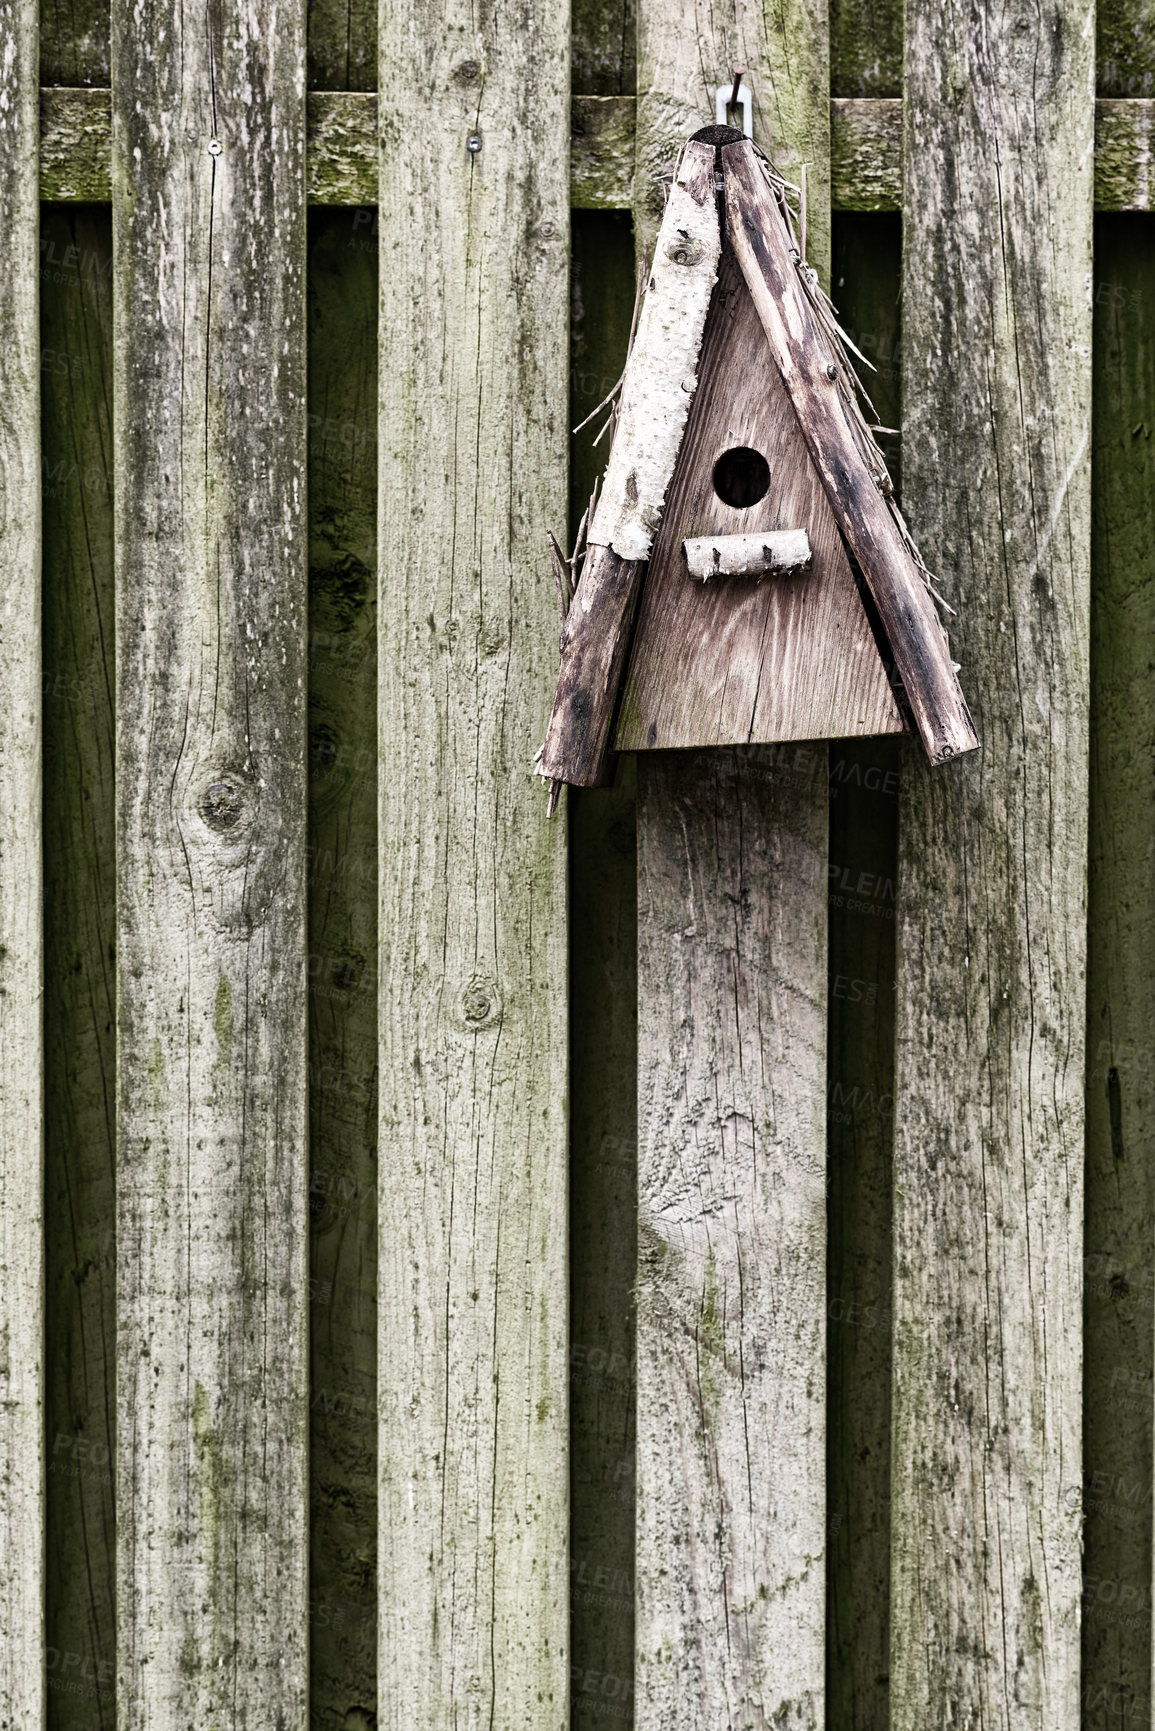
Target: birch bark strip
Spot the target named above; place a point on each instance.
(993, 860)
(22, 1697)
(473, 1303)
(209, 228)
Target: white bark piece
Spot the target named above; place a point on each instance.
(662, 372)
(747, 555)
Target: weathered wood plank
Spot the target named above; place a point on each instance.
(603, 1170)
(343, 966)
(683, 56)
(22, 1676)
(731, 1084)
(1120, 1237)
(861, 875)
(991, 939)
(731, 1237)
(473, 1306)
(342, 53)
(865, 142)
(209, 404)
(79, 967)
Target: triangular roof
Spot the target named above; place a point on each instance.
(720, 169)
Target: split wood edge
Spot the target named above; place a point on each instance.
(659, 381)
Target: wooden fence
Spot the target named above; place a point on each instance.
(691, 1263)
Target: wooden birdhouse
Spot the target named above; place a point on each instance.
(747, 576)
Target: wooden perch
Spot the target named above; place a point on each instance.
(660, 378)
(747, 555)
(819, 392)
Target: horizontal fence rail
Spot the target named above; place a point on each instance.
(865, 150)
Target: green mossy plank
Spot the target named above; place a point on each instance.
(866, 47)
(79, 986)
(22, 1675)
(862, 871)
(1120, 1230)
(342, 52)
(74, 42)
(603, 1081)
(343, 963)
(604, 47)
(1125, 48)
(991, 936)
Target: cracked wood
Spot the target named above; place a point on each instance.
(209, 404)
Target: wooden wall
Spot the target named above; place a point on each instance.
(977, 949)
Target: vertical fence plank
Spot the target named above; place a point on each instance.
(731, 1084)
(21, 963)
(473, 433)
(79, 966)
(990, 1033)
(1120, 1241)
(731, 1237)
(864, 783)
(209, 228)
(343, 965)
(866, 47)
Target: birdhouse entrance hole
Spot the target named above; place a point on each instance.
(741, 477)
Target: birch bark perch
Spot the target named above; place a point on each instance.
(747, 555)
(989, 1096)
(820, 394)
(209, 395)
(22, 1697)
(659, 381)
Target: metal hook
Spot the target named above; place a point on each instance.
(735, 96)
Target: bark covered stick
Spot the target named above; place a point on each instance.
(818, 391)
(660, 378)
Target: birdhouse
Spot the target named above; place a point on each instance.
(747, 577)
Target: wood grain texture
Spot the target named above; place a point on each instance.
(685, 52)
(731, 1238)
(1119, 1269)
(342, 888)
(473, 1305)
(79, 984)
(209, 383)
(735, 661)
(991, 939)
(22, 1696)
(861, 878)
(822, 399)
